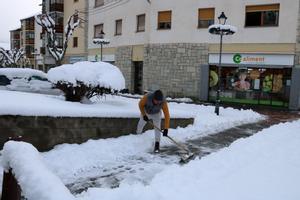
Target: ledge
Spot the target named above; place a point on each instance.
(46, 132)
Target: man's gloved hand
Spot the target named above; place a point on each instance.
(145, 118)
(165, 132)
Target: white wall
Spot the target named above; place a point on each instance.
(127, 10)
(38, 43)
(184, 22)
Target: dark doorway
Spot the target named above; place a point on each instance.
(138, 77)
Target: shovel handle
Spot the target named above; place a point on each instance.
(175, 142)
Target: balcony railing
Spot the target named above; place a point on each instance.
(29, 41)
(56, 7)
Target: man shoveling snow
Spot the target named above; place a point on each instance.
(150, 106)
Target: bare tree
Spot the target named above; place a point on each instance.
(56, 51)
(12, 58)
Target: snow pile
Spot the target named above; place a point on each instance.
(90, 73)
(29, 104)
(264, 166)
(217, 28)
(37, 182)
(21, 73)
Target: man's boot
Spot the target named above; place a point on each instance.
(156, 147)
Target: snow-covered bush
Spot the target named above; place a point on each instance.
(87, 79)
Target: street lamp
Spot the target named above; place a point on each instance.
(35, 54)
(100, 40)
(220, 29)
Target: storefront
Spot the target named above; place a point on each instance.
(261, 79)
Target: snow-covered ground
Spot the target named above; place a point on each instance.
(263, 166)
(72, 162)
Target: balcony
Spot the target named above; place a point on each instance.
(58, 7)
(29, 27)
(16, 37)
(29, 41)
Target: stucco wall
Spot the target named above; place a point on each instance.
(46, 132)
(184, 22)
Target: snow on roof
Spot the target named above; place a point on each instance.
(227, 29)
(21, 72)
(90, 73)
(36, 180)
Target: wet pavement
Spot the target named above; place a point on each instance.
(200, 147)
(212, 143)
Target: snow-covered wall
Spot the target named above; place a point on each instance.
(36, 180)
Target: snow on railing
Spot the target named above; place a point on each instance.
(35, 179)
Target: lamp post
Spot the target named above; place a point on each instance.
(100, 40)
(220, 29)
(35, 54)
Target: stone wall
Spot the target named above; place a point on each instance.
(46, 132)
(174, 68)
(124, 62)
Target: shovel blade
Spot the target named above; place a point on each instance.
(186, 158)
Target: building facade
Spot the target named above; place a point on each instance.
(166, 45)
(55, 8)
(77, 46)
(15, 38)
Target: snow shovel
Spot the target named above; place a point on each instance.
(183, 158)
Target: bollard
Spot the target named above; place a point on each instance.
(10, 187)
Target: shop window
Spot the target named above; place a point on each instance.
(118, 27)
(99, 3)
(97, 30)
(263, 86)
(263, 15)
(140, 23)
(164, 20)
(206, 17)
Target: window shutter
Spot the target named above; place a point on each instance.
(164, 16)
(259, 8)
(206, 14)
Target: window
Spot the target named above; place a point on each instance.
(164, 20)
(99, 3)
(206, 17)
(75, 42)
(97, 30)
(262, 15)
(118, 27)
(140, 27)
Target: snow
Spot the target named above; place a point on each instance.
(227, 29)
(264, 166)
(36, 180)
(90, 73)
(29, 104)
(101, 40)
(21, 72)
